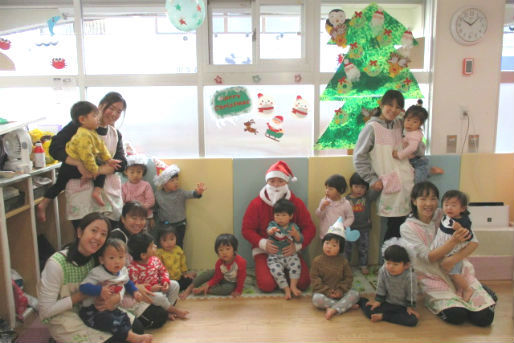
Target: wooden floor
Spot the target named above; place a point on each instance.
(278, 320)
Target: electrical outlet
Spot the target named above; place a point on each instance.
(451, 144)
(473, 143)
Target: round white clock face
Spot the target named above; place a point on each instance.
(468, 26)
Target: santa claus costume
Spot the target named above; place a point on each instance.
(257, 217)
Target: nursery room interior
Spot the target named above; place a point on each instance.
(224, 89)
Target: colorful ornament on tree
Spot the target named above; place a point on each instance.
(397, 62)
(357, 21)
(58, 63)
(340, 58)
(407, 39)
(372, 69)
(340, 117)
(405, 85)
(336, 27)
(275, 131)
(366, 114)
(344, 85)
(5, 44)
(300, 107)
(265, 104)
(377, 22)
(355, 50)
(352, 72)
(186, 15)
(385, 38)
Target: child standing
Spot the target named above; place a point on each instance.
(334, 205)
(109, 278)
(331, 276)
(373, 161)
(174, 259)
(360, 199)
(85, 146)
(146, 268)
(456, 215)
(137, 189)
(282, 231)
(171, 200)
(413, 146)
(229, 274)
(395, 299)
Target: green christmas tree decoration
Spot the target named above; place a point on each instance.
(371, 66)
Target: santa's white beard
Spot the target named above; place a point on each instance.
(276, 193)
(274, 126)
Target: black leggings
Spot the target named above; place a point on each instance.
(390, 313)
(393, 227)
(154, 317)
(137, 327)
(458, 315)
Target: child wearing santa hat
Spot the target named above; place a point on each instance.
(171, 200)
(137, 189)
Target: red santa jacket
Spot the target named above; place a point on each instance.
(258, 215)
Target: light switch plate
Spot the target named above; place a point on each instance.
(451, 144)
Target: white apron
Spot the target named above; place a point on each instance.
(438, 287)
(78, 197)
(396, 175)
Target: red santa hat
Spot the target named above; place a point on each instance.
(281, 170)
(279, 118)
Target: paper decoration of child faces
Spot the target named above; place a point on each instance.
(336, 27)
(186, 15)
(275, 131)
(300, 107)
(265, 104)
(230, 102)
(376, 61)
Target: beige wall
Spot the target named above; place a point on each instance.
(479, 92)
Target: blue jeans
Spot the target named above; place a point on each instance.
(421, 168)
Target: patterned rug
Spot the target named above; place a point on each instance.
(364, 284)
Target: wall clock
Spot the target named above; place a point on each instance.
(468, 25)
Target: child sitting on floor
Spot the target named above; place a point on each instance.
(174, 259)
(146, 268)
(282, 232)
(85, 146)
(395, 299)
(109, 278)
(229, 274)
(137, 189)
(171, 200)
(331, 276)
(456, 215)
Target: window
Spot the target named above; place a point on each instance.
(130, 44)
(281, 32)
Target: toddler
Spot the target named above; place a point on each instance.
(229, 274)
(109, 278)
(334, 205)
(360, 199)
(282, 232)
(331, 276)
(456, 215)
(171, 200)
(137, 189)
(146, 268)
(395, 299)
(413, 146)
(85, 146)
(174, 259)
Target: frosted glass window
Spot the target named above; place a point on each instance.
(410, 15)
(28, 103)
(36, 52)
(137, 45)
(281, 32)
(507, 61)
(228, 138)
(231, 36)
(159, 121)
(504, 137)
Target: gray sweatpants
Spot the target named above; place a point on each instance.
(278, 263)
(321, 301)
(165, 300)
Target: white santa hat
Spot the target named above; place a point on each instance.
(166, 175)
(136, 159)
(281, 170)
(279, 118)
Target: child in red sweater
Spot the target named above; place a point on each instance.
(229, 275)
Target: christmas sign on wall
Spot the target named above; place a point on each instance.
(231, 102)
(377, 60)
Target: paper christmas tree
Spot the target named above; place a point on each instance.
(376, 60)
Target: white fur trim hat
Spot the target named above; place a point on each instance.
(136, 159)
(166, 175)
(280, 169)
(401, 242)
